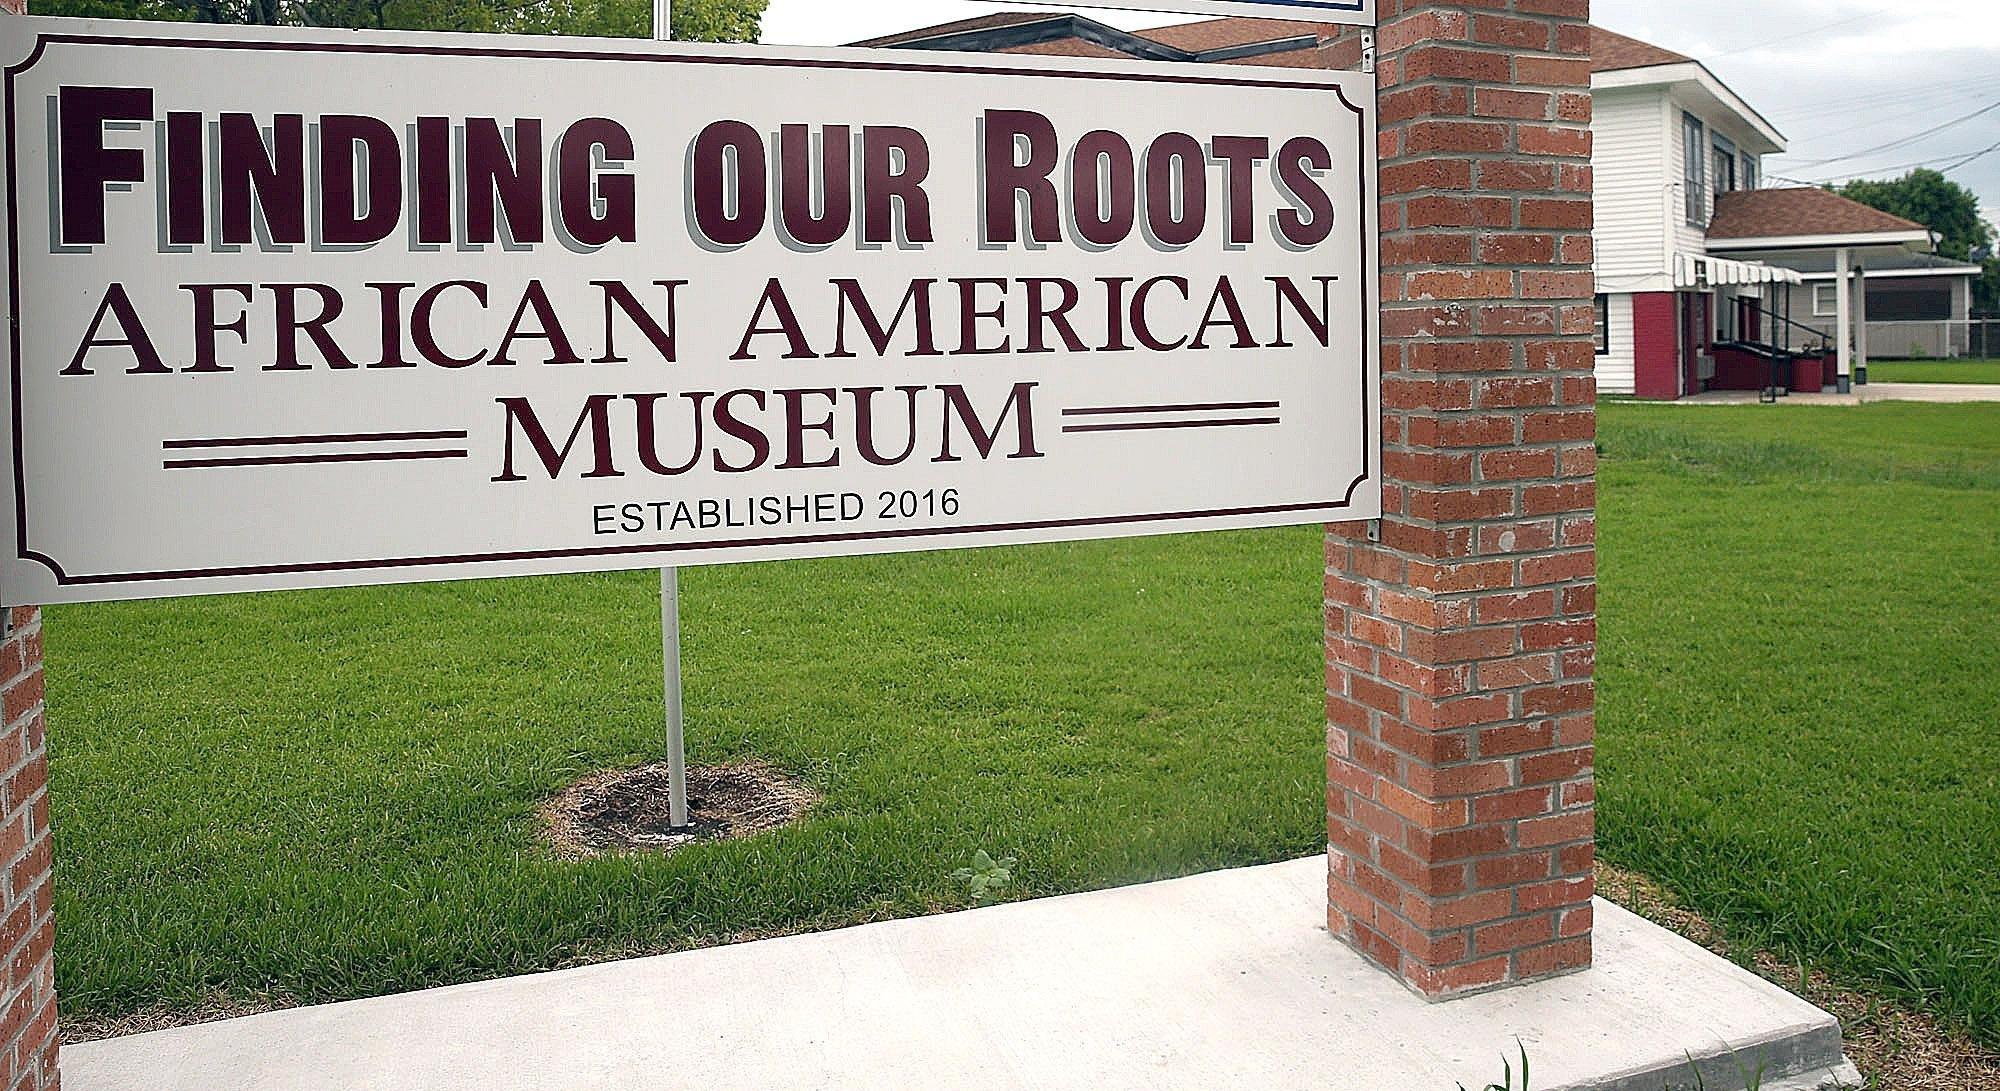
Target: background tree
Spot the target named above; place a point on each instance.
(1949, 209)
(694, 20)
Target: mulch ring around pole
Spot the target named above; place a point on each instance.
(619, 811)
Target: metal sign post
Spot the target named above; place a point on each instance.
(670, 599)
(670, 664)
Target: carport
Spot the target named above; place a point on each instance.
(1815, 229)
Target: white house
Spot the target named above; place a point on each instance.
(1707, 279)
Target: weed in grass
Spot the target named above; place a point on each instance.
(986, 876)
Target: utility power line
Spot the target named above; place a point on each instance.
(1909, 96)
(1892, 169)
(1804, 33)
(1957, 160)
(1847, 111)
(1908, 140)
(1971, 159)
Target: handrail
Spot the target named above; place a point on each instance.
(1822, 336)
(1757, 348)
(1780, 357)
(1754, 305)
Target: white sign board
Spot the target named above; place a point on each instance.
(303, 308)
(1354, 12)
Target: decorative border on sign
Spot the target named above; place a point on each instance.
(1365, 161)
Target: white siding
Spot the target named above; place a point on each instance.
(1631, 167)
(1687, 238)
(1615, 370)
(1693, 238)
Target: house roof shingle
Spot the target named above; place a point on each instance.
(1068, 47)
(1315, 57)
(983, 22)
(1334, 46)
(1796, 213)
(1613, 52)
(1200, 37)
(1188, 39)
(1610, 51)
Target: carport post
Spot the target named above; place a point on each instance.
(1461, 631)
(1843, 308)
(1861, 325)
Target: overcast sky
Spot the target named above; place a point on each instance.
(1836, 76)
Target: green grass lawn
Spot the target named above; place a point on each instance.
(329, 794)
(1934, 371)
(1797, 683)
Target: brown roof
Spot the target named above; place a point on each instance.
(1222, 33)
(1311, 57)
(1333, 46)
(1337, 46)
(1611, 52)
(1316, 57)
(1068, 47)
(984, 22)
(1791, 213)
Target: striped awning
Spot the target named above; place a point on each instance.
(1703, 271)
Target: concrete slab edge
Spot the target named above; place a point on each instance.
(1800, 1058)
(1754, 1025)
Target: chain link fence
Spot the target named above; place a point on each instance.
(1955, 339)
(1983, 338)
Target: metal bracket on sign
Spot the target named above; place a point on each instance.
(1368, 51)
(1375, 530)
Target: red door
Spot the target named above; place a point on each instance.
(1696, 321)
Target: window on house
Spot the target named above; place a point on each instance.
(1826, 300)
(1695, 175)
(1604, 325)
(1725, 165)
(1752, 175)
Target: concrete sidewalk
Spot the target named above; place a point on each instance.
(1226, 981)
(1941, 393)
(1929, 392)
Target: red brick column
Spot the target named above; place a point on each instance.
(1460, 645)
(27, 919)
(27, 926)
